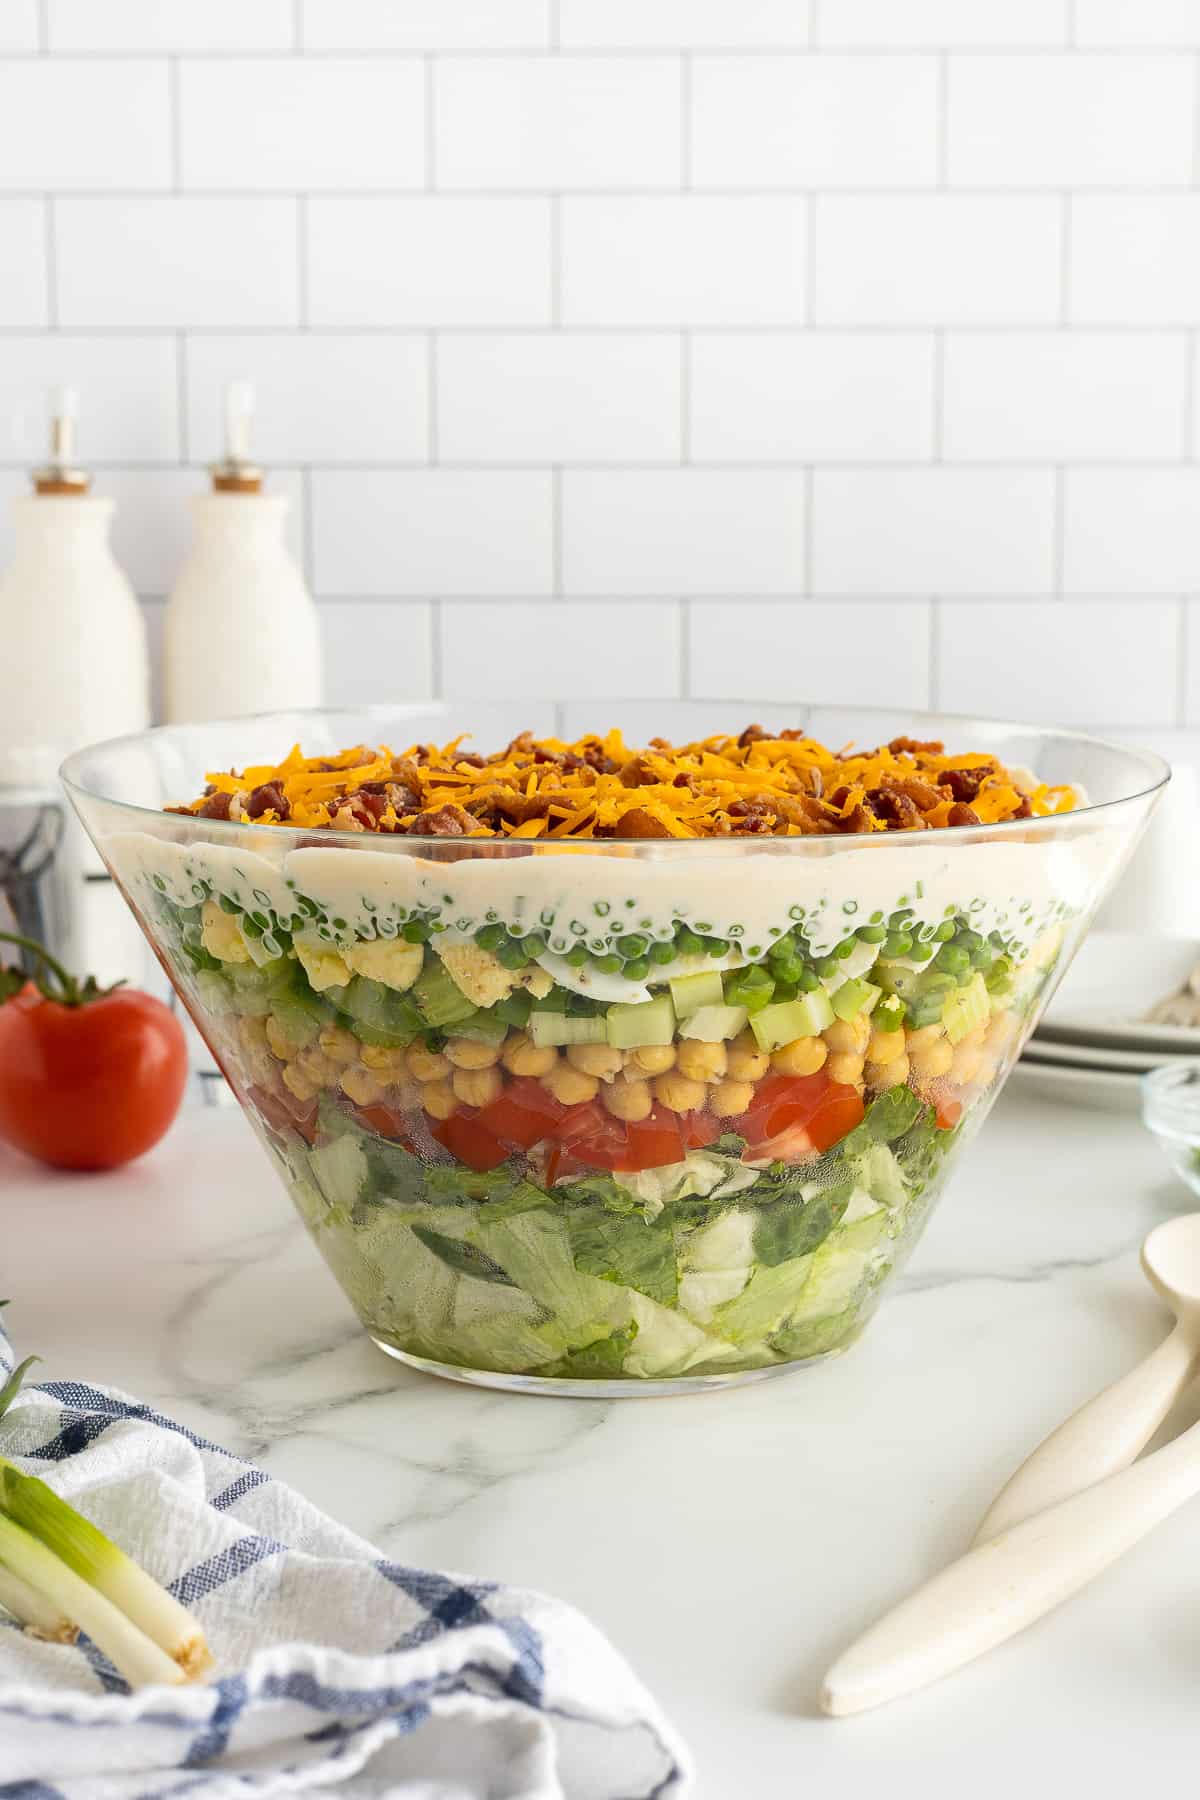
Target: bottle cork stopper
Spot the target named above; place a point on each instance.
(237, 473)
(60, 476)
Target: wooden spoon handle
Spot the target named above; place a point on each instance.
(1105, 1435)
(998, 1588)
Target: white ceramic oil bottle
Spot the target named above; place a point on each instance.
(73, 670)
(241, 633)
(73, 664)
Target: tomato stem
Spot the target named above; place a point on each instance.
(67, 983)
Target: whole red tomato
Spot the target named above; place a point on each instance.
(89, 1079)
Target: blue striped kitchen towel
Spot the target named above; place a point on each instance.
(338, 1669)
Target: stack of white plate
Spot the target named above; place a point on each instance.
(1093, 1041)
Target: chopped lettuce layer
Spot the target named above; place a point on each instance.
(707, 1266)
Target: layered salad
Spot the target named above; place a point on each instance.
(591, 1063)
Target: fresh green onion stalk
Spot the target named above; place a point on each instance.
(60, 1575)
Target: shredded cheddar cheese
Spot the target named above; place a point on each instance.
(599, 787)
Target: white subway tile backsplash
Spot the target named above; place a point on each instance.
(1063, 397)
(938, 259)
(559, 398)
(1132, 531)
(320, 398)
(824, 396)
(18, 26)
(626, 648)
(1078, 663)
(1135, 259)
(128, 394)
(683, 260)
(1082, 121)
(424, 24)
(421, 260)
(814, 121)
(582, 323)
(178, 25)
(1107, 24)
(940, 24)
(681, 721)
(23, 283)
(558, 122)
(377, 651)
(844, 652)
(288, 123)
(176, 261)
(932, 531)
(152, 527)
(432, 532)
(688, 531)
(684, 24)
(84, 125)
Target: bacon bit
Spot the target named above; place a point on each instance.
(215, 806)
(443, 821)
(267, 798)
(638, 823)
(901, 746)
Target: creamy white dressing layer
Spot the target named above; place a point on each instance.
(750, 896)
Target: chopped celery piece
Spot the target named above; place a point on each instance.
(714, 1024)
(217, 994)
(966, 1008)
(554, 1028)
(806, 1017)
(691, 992)
(854, 997)
(634, 1027)
(441, 1000)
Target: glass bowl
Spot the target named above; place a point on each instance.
(1171, 1112)
(529, 1171)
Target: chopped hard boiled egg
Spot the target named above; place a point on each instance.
(324, 968)
(396, 964)
(221, 935)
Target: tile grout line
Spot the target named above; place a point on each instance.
(298, 25)
(553, 25)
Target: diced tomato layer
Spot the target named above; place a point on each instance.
(524, 1114)
(285, 1115)
(384, 1123)
(826, 1110)
(948, 1112)
(470, 1142)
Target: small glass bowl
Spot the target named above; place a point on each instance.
(1171, 1111)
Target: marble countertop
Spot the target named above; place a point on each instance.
(731, 1543)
